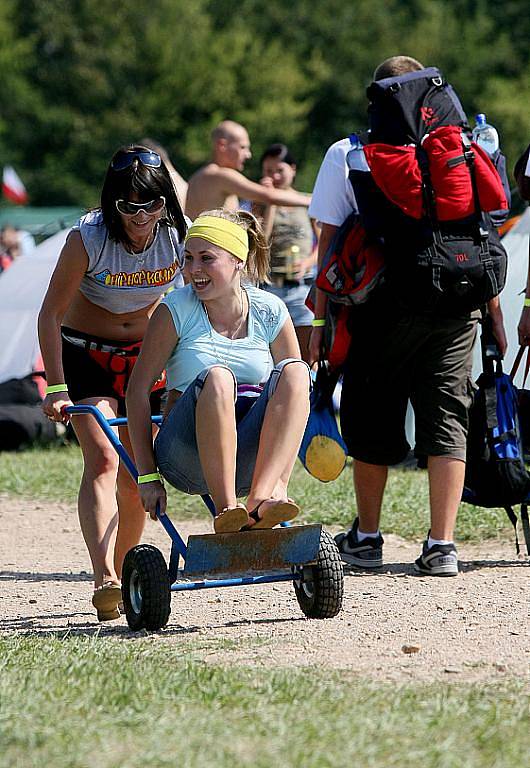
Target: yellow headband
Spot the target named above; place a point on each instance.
(221, 232)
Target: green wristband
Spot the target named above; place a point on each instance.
(318, 322)
(51, 389)
(527, 301)
(149, 478)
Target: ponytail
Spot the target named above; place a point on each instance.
(258, 262)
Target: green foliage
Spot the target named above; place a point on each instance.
(79, 701)
(81, 77)
(54, 474)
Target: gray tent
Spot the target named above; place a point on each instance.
(516, 242)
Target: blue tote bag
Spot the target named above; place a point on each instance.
(323, 451)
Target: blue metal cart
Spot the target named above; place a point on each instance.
(304, 554)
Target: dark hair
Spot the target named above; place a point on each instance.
(147, 182)
(156, 147)
(279, 151)
(523, 182)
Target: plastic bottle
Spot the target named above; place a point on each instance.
(485, 135)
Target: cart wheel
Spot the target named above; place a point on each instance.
(319, 593)
(146, 588)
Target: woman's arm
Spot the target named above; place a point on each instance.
(267, 221)
(267, 212)
(159, 341)
(312, 260)
(64, 284)
(285, 344)
(326, 236)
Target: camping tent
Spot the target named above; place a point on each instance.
(22, 289)
(516, 242)
(39, 221)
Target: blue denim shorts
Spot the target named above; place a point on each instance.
(176, 449)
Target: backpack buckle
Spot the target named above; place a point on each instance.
(454, 161)
(437, 81)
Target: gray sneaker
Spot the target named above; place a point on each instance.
(367, 553)
(438, 560)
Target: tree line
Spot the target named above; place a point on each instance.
(81, 77)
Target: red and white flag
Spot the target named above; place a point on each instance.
(12, 186)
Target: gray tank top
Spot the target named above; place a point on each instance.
(120, 281)
(291, 240)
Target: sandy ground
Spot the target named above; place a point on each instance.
(473, 627)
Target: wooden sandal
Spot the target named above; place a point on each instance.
(230, 519)
(275, 513)
(106, 600)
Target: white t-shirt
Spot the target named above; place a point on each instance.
(333, 199)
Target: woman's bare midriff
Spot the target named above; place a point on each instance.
(82, 315)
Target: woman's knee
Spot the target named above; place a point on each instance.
(294, 376)
(98, 463)
(219, 384)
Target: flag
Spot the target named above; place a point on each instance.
(12, 186)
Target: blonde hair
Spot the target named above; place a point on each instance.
(397, 65)
(258, 261)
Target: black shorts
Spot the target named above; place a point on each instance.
(96, 367)
(395, 356)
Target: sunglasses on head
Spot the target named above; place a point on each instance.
(150, 207)
(125, 159)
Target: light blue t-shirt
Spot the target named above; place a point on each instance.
(200, 346)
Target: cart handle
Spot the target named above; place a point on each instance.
(106, 425)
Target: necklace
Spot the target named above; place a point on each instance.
(140, 257)
(223, 358)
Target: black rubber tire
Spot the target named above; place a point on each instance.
(145, 588)
(321, 590)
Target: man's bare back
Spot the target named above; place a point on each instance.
(220, 183)
(206, 191)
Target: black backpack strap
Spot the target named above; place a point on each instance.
(517, 362)
(490, 402)
(485, 256)
(513, 520)
(433, 257)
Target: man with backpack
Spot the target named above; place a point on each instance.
(413, 338)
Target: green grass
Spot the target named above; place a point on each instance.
(93, 703)
(54, 474)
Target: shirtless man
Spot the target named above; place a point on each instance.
(220, 183)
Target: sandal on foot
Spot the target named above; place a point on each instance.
(106, 600)
(275, 513)
(230, 519)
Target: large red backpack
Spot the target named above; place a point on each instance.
(353, 264)
(425, 190)
(352, 268)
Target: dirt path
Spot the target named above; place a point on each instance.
(473, 627)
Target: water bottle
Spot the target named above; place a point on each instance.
(355, 158)
(485, 135)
